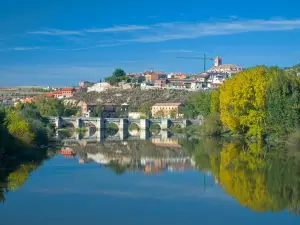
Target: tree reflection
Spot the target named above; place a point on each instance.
(257, 178)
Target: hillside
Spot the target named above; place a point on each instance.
(134, 97)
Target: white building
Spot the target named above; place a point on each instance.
(229, 69)
(99, 87)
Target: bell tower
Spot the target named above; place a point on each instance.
(218, 61)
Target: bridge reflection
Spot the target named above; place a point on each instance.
(91, 135)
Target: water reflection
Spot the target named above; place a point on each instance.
(91, 134)
(258, 178)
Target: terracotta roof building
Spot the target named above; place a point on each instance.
(152, 76)
(171, 110)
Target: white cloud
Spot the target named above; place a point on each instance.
(174, 31)
(117, 29)
(56, 32)
(25, 48)
(169, 31)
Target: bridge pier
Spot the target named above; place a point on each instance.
(123, 134)
(58, 122)
(144, 124)
(100, 124)
(123, 124)
(78, 123)
(164, 124)
(184, 123)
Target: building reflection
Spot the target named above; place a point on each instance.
(152, 157)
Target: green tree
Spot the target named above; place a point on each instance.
(19, 126)
(283, 104)
(146, 109)
(199, 104)
(212, 125)
(112, 80)
(119, 73)
(215, 101)
(141, 79)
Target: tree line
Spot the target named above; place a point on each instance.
(258, 103)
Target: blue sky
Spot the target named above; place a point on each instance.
(62, 42)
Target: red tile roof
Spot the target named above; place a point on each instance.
(49, 94)
(68, 89)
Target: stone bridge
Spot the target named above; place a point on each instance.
(122, 123)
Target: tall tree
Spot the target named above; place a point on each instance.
(243, 102)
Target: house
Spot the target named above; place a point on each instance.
(216, 79)
(167, 110)
(85, 84)
(160, 83)
(88, 110)
(68, 92)
(133, 77)
(203, 77)
(58, 94)
(62, 93)
(194, 85)
(229, 69)
(176, 84)
(109, 110)
(152, 76)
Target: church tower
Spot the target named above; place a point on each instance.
(218, 61)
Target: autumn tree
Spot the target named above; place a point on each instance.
(242, 176)
(243, 102)
(19, 127)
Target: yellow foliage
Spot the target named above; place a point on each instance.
(19, 127)
(242, 177)
(17, 178)
(242, 101)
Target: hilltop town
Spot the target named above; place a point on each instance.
(163, 93)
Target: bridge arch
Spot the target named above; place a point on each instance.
(68, 124)
(134, 129)
(111, 128)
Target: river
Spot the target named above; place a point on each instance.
(156, 181)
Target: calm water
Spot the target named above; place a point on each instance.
(158, 181)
